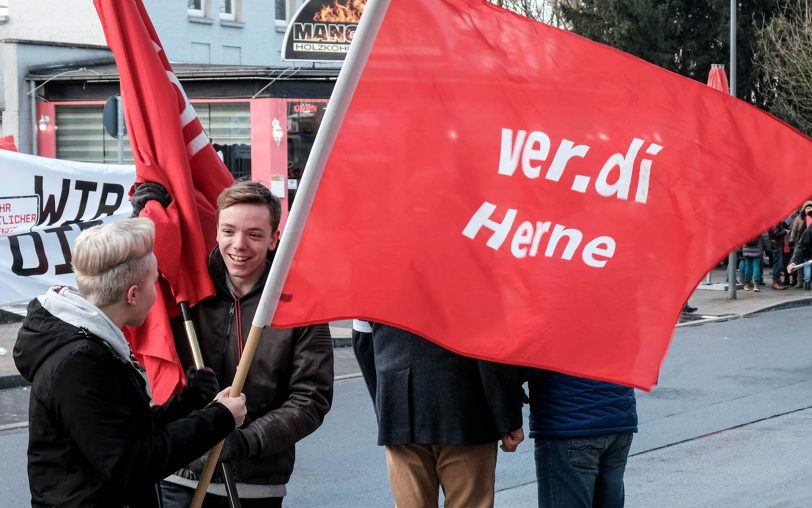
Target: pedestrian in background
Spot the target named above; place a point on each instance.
(582, 430)
(94, 438)
(440, 416)
(778, 242)
(797, 228)
(803, 253)
(753, 253)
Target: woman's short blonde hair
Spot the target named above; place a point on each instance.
(109, 258)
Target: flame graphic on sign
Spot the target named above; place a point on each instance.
(346, 11)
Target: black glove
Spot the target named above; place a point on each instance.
(235, 446)
(149, 191)
(201, 385)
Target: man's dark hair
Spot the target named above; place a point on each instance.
(252, 193)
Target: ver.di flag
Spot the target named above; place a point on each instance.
(518, 193)
(170, 148)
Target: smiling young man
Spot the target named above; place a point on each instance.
(246, 232)
(290, 384)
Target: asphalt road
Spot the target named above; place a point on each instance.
(727, 426)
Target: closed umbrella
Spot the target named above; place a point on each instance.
(718, 79)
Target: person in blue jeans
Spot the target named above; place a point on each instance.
(778, 241)
(803, 252)
(582, 431)
(753, 252)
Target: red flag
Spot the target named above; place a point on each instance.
(7, 143)
(170, 148)
(517, 193)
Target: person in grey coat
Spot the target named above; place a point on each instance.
(439, 414)
(753, 252)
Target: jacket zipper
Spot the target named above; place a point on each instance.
(238, 319)
(229, 327)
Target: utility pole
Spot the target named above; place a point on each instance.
(120, 131)
(731, 260)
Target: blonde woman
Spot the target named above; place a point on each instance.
(94, 438)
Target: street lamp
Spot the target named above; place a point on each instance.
(43, 123)
(731, 259)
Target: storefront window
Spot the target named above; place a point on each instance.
(80, 136)
(304, 118)
(229, 127)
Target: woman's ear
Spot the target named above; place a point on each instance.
(131, 294)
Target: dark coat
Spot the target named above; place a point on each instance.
(94, 440)
(289, 388)
(803, 249)
(563, 406)
(798, 225)
(778, 235)
(425, 394)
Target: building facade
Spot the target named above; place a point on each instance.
(260, 112)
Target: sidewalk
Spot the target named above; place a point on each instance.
(345, 365)
(712, 301)
(712, 305)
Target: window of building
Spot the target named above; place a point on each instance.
(232, 55)
(200, 52)
(281, 12)
(80, 136)
(304, 118)
(196, 7)
(228, 10)
(229, 128)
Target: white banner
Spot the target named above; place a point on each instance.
(44, 204)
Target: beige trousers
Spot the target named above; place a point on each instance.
(466, 474)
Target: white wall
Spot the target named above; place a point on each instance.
(16, 60)
(75, 21)
(255, 33)
(71, 21)
(254, 39)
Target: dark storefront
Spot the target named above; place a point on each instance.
(262, 121)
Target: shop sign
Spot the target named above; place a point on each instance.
(322, 30)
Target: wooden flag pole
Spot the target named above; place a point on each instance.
(346, 83)
(236, 389)
(191, 335)
(194, 346)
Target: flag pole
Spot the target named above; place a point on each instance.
(194, 346)
(340, 99)
(191, 335)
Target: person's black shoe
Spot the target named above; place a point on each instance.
(687, 308)
(807, 286)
